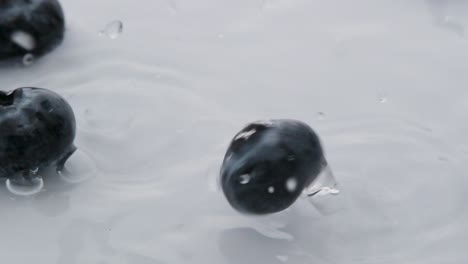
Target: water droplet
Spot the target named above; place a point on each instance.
(291, 158)
(324, 184)
(221, 36)
(28, 59)
(32, 187)
(323, 193)
(79, 167)
(24, 40)
(320, 115)
(382, 95)
(112, 30)
(328, 190)
(271, 189)
(244, 179)
(291, 184)
(158, 76)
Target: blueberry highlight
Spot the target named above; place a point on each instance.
(269, 163)
(29, 27)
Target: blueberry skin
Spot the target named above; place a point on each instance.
(42, 19)
(37, 129)
(271, 153)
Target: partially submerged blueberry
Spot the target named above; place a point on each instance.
(268, 164)
(37, 129)
(29, 27)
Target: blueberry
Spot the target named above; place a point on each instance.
(29, 26)
(268, 164)
(37, 129)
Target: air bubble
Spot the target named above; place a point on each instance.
(271, 189)
(112, 30)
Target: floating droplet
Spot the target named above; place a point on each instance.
(320, 115)
(32, 187)
(28, 59)
(221, 36)
(291, 184)
(78, 168)
(244, 179)
(322, 193)
(271, 189)
(112, 30)
(324, 184)
(382, 95)
(328, 190)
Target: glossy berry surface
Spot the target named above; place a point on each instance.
(29, 27)
(37, 129)
(268, 164)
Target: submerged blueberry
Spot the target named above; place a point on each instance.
(37, 129)
(29, 27)
(268, 165)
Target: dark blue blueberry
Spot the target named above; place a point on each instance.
(38, 25)
(37, 129)
(268, 164)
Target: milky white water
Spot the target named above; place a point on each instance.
(384, 83)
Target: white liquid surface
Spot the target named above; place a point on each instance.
(157, 106)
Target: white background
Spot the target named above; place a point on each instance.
(157, 106)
